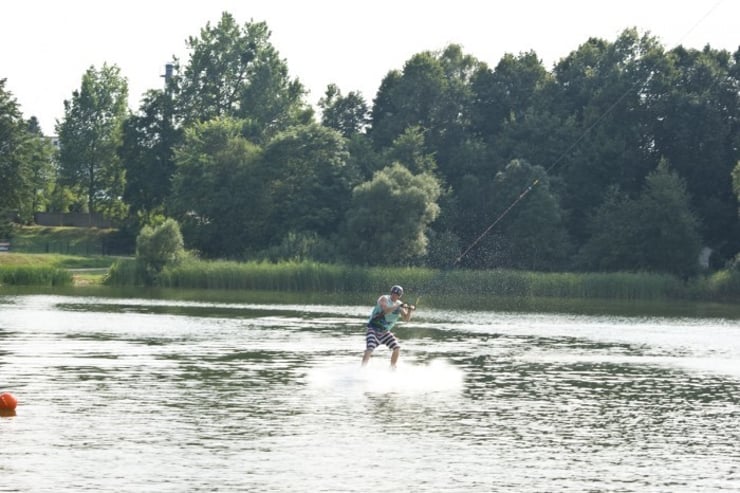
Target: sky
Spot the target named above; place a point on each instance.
(47, 45)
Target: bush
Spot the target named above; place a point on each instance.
(157, 247)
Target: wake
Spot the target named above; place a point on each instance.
(378, 377)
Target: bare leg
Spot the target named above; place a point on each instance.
(394, 357)
(366, 356)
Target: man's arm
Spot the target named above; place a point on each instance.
(387, 306)
(406, 310)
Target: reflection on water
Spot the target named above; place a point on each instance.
(157, 395)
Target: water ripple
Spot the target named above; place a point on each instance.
(152, 395)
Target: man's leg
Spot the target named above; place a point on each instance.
(394, 356)
(371, 342)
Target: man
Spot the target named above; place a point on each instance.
(388, 309)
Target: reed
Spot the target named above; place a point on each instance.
(723, 285)
(34, 275)
(328, 278)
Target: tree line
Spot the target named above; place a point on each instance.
(624, 156)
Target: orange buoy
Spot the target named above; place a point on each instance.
(8, 401)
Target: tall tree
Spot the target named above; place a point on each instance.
(235, 71)
(219, 195)
(89, 137)
(348, 114)
(657, 231)
(600, 89)
(26, 161)
(308, 179)
(42, 169)
(147, 154)
(388, 217)
(15, 170)
(695, 102)
(530, 232)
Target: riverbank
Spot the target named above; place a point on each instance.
(312, 277)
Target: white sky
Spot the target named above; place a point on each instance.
(47, 45)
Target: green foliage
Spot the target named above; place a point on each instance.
(724, 285)
(90, 135)
(529, 236)
(431, 284)
(159, 246)
(126, 272)
(656, 232)
(40, 155)
(388, 217)
(695, 103)
(506, 94)
(308, 181)
(298, 247)
(409, 150)
(23, 156)
(349, 115)
(147, 154)
(218, 191)
(256, 178)
(234, 71)
(36, 275)
(598, 93)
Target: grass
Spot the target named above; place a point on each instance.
(52, 269)
(315, 277)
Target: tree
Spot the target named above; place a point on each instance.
(529, 230)
(409, 150)
(308, 180)
(411, 99)
(147, 154)
(506, 93)
(695, 103)
(668, 223)
(234, 71)
(89, 137)
(158, 246)
(26, 167)
(15, 171)
(599, 91)
(655, 232)
(612, 245)
(219, 192)
(41, 167)
(432, 93)
(388, 216)
(349, 115)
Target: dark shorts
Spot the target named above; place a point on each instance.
(375, 337)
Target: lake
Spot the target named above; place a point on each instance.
(158, 395)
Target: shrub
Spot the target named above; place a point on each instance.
(157, 247)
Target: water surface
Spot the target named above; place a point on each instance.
(170, 396)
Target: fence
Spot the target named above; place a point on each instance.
(76, 219)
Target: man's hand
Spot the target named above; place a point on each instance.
(408, 307)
